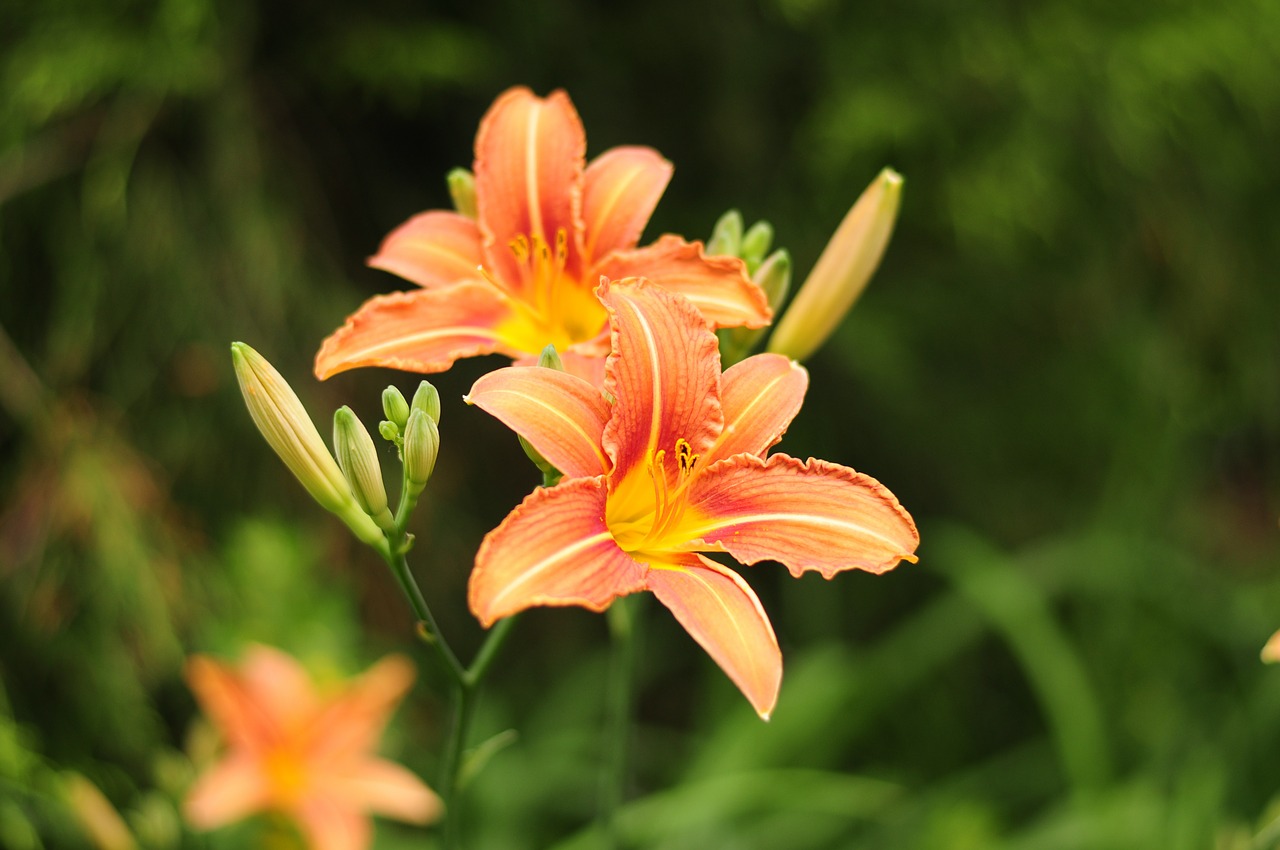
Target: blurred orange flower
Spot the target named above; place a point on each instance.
(302, 754)
(521, 274)
(671, 461)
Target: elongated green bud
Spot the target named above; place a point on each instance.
(421, 447)
(842, 271)
(462, 188)
(358, 459)
(284, 422)
(394, 406)
(726, 236)
(427, 399)
(755, 244)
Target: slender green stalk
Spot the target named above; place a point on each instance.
(624, 618)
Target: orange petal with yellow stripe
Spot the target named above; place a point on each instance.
(554, 549)
(760, 397)
(432, 249)
(808, 516)
(663, 374)
(621, 187)
(421, 331)
(718, 286)
(561, 415)
(530, 157)
(722, 613)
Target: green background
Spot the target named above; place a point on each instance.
(1067, 368)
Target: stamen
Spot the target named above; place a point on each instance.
(520, 247)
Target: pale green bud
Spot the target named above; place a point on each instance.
(755, 244)
(726, 236)
(394, 406)
(550, 359)
(358, 459)
(390, 431)
(290, 432)
(462, 188)
(842, 271)
(427, 399)
(421, 446)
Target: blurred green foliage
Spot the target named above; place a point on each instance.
(1068, 368)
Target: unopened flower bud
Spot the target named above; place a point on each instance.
(390, 431)
(394, 406)
(290, 432)
(427, 399)
(462, 188)
(421, 446)
(358, 459)
(755, 244)
(842, 271)
(726, 236)
(550, 359)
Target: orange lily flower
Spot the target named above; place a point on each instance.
(671, 461)
(303, 755)
(522, 274)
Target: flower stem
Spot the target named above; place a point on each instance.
(624, 619)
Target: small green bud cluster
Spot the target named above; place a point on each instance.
(770, 271)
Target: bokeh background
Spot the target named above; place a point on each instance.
(1068, 368)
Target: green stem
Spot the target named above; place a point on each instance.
(624, 617)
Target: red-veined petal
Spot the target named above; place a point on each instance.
(725, 617)
(718, 286)
(530, 156)
(388, 789)
(664, 376)
(554, 549)
(562, 415)
(620, 189)
(760, 397)
(434, 248)
(420, 331)
(352, 721)
(227, 792)
(809, 516)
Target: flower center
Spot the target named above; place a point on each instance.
(553, 307)
(640, 518)
(286, 775)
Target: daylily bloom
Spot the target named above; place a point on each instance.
(671, 460)
(302, 754)
(521, 274)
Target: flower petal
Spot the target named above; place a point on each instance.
(562, 415)
(232, 707)
(725, 617)
(530, 155)
(554, 549)
(620, 189)
(329, 822)
(352, 722)
(718, 286)
(279, 686)
(386, 788)
(420, 331)
(760, 396)
(432, 249)
(229, 791)
(809, 516)
(664, 376)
